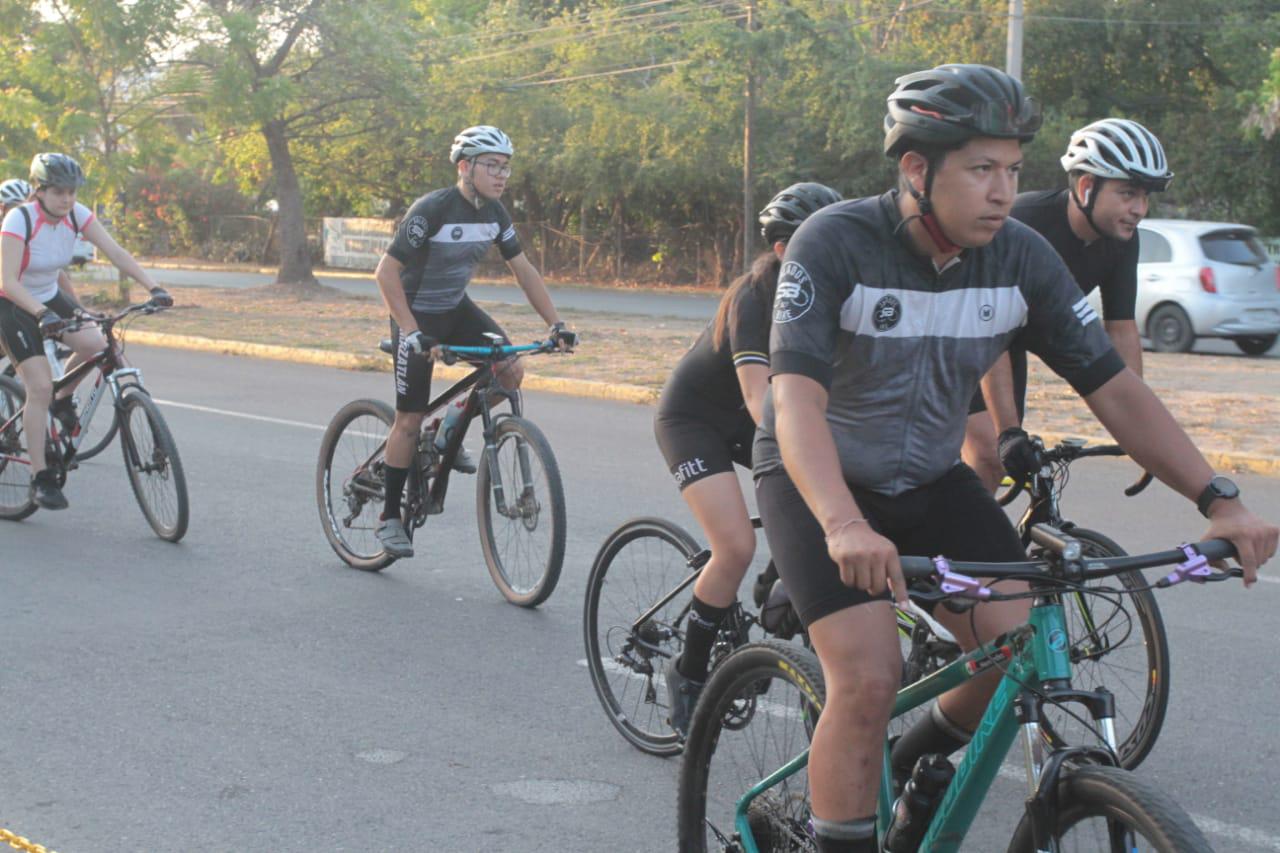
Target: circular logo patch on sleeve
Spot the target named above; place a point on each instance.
(795, 293)
(416, 229)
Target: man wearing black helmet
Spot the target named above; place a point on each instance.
(889, 312)
(706, 419)
(423, 277)
(1112, 166)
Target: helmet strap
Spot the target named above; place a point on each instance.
(1090, 198)
(927, 217)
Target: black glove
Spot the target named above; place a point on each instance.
(51, 325)
(561, 335)
(417, 342)
(1017, 454)
(161, 298)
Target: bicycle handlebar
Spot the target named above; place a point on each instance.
(1069, 450)
(106, 320)
(450, 354)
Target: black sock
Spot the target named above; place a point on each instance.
(395, 478)
(846, 836)
(699, 636)
(933, 734)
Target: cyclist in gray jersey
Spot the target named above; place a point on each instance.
(423, 278)
(888, 313)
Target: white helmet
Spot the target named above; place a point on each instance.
(1120, 149)
(481, 139)
(15, 191)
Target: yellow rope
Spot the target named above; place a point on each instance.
(19, 843)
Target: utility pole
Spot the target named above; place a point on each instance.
(748, 205)
(1013, 49)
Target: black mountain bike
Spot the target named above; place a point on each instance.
(98, 432)
(519, 496)
(150, 453)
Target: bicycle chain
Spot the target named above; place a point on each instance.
(19, 843)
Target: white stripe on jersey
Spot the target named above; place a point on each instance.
(509, 234)
(1084, 312)
(967, 313)
(466, 232)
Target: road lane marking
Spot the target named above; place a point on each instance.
(210, 410)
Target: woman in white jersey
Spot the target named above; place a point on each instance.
(36, 241)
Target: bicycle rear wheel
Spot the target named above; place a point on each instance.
(756, 713)
(15, 468)
(154, 467)
(639, 564)
(349, 482)
(101, 429)
(1106, 808)
(520, 510)
(1119, 643)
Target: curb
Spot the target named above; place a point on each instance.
(590, 388)
(1253, 463)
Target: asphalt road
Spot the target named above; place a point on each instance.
(245, 691)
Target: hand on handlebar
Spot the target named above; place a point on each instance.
(564, 339)
(418, 342)
(51, 325)
(161, 298)
(1255, 539)
(1018, 454)
(867, 560)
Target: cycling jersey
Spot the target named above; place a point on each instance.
(50, 245)
(901, 346)
(1106, 264)
(441, 240)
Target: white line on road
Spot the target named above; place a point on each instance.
(282, 421)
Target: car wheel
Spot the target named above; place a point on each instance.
(1255, 344)
(1170, 329)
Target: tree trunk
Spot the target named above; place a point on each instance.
(295, 257)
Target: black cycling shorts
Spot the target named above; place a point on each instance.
(465, 325)
(1018, 361)
(699, 446)
(955, 516)
(20, 332)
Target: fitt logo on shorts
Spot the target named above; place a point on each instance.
(416, 229)
(689, 469)
(887, 313)
(795, 293)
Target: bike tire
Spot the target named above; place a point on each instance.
(1136, 670)
(1120, 800)
(346, 447)
(783, 681)
(154, 466)
(530, 532)
(16, 502)
(646, 558)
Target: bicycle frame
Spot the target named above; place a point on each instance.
(1035, 655)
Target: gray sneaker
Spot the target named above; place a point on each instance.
(464, 462)
(682, 697)
(395, 542)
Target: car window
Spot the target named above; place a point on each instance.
(1233, 247)
(1152, 248)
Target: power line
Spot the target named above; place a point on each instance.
(595, 74)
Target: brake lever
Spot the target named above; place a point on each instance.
(1196, 569)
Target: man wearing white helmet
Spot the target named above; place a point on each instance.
(423, 278)
(1112, 166)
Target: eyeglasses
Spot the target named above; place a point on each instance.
(495, 168)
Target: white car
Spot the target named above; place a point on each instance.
(1205, 280)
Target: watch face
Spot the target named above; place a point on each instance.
(1224, 488)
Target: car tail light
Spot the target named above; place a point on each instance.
(1206, 280)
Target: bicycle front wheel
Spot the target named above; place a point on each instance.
(1106, 808)
(640, 563)
(756, 713)
(520, 510)
(15, 468)
(1117, 642)
(350, 489)
(155, 470)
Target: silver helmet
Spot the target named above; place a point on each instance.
(1119, 149)
(481, 139)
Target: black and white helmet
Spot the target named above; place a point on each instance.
(481, 139)
(786, 210)
(56, 170)
(1120, 149)
(15, 191)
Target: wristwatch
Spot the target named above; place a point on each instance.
(1219, 487)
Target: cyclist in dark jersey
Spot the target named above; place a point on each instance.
(889, 311)
(1112, 166)
(423, 277)
(706, 420)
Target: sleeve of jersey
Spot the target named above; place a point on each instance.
(1062, 327)
(13, 224)
(749, 334)
(508, 243)
(83, 216)
(1120, 297)
(413, 235)
(812, 287)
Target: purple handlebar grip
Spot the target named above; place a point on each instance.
(954, 583)
(1196, 568)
